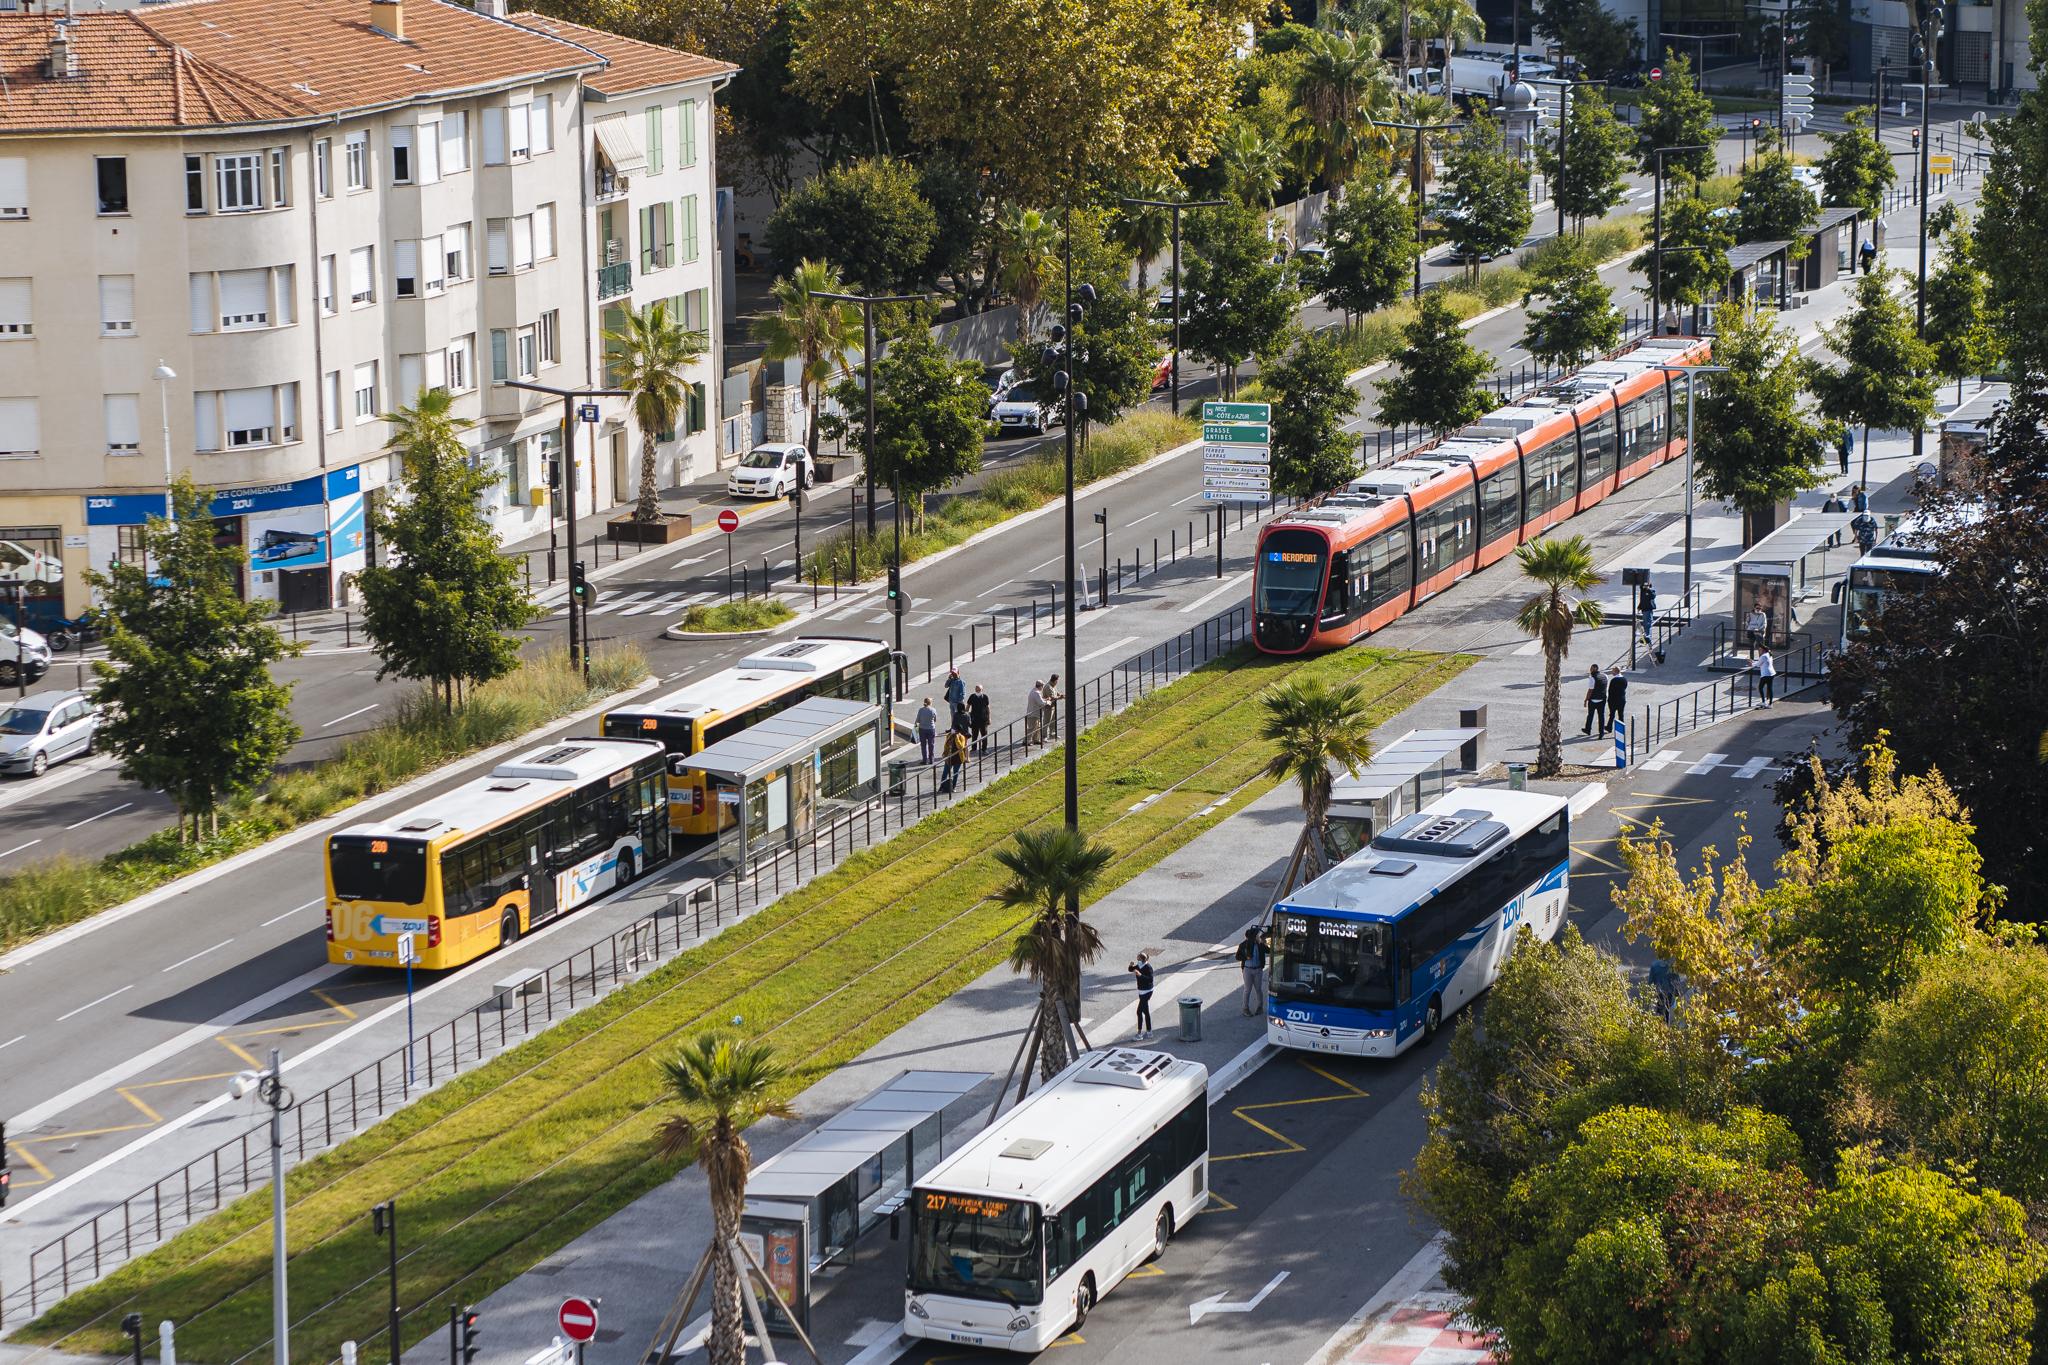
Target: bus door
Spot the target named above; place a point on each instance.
(540, 882)
(653, 822)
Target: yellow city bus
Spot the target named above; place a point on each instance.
(476, 867)
(691, 719)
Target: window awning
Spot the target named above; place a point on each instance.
(620, 141)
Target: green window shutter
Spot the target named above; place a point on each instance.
(688, 233)
(646, 240)
(614, 320)
(654, 141)
(686, 133)
(694, 405)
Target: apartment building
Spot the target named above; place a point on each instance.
(235, 233)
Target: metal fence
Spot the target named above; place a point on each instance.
(1660, 722)
(142, 1220)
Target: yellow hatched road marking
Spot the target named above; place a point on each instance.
(239, 1051)
(125, 1093)
(30, 1158)
(324, 998)
(1346, 1091)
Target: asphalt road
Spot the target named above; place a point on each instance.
(1307, 1153)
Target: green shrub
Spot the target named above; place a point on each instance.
(418, 736)
(754, 613)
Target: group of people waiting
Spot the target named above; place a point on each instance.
(967, 730)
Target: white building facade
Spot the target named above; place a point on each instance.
(234, 234)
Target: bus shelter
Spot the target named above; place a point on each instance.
(1785, 568)
(1402, 778)
(810, 1204)
(779, 772)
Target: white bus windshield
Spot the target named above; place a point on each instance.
(975, 1247)
(1332, 961)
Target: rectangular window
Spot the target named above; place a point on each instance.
(541, 124)
(20, 433)
(522, 242)
(686, 134)
(244, 299)
(278, 197)
(251, 417)
(401, 156)
(195, 184)
(500, 362)
(695, 415)
(237, 183)
(129, 545)
(434, 367)
(498, 246)
(356, 156)
(696, 304)
(494, 136)
(362, 275)
(462, 364)
(112, 175)
(323, 168)
(455, 246)
(686, 234)
(519, 131)
(13, 187)
(433, 264)
(117, 305)
(329, 303)
(202, 313)
(405, 268)
(544, 233)
(657, 244)
(529, 351)
(124, 423)
(550, 330)
(654, 140)
(288, 412)
(366, 391)
(16, 317)
(410, 380)
(454, 143)
(428, 151)
(330, 400)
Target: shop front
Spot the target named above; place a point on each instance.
(43, 558)
(301, 541)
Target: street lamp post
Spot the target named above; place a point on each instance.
(1415, 188)
(1067, 383)
(268, 1086)
(1175, 206)
(1689, 371)
(867, 304)
(164, 375)
(579, 629)
(1657, 155)
(1925, 42)
(384, 1221)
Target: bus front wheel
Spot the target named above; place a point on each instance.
(625, 877)
(1084, 1299)
(1432, 1018)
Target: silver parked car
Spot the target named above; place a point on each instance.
(46, 728)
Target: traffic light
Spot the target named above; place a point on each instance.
(897, 602)
(1916, 139)
(469, 1334)
(580, 591)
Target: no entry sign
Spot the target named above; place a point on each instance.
(578, 1318)
(728, 521)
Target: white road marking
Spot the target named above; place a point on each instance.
(194, 958)
(618, 602)
(1147, 517)
(997, 588)
(1225, 586)
(1114, 645)
(90, 1003)
(351, 715)
(1660, 760)
(1706, 765)
(287, 914)
(19, 847)
(125, 805)
(12, 1041)
(1751, 768)
(1192, 497)
(1054, 560)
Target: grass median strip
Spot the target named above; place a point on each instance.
(419, 736)
(500, 1167)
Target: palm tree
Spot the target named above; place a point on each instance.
(1314, 725)
(1048, 867)
(724, 1084)
(1031, 254)
(1145, 232)
(1562, 568)
(1252, 165)
(1450, 20)
(816, 332)
(1331, 87)
(654, 349)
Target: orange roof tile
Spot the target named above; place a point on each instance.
(630, 64)
(207, 63)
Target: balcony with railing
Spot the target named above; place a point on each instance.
(610, 184)
(614, 280)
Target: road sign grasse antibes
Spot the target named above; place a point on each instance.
(1237, 452)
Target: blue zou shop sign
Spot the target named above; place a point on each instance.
(133, 509)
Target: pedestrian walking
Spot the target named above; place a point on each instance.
(1251, 964)
(1617, 697)
(956, 688)
(1868, 255)
(1766, 677)
(956, 758)
(1756, 627)
(1834, 504)
(1859, 501)
(1034, 713)
(1865, 527)
(1845, 445)
(1596, 702)
(1141, 972)
(927, 730)
(977, 719)
(1646, 607)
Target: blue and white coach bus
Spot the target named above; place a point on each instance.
(1380, 950)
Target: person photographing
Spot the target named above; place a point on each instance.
(1141, 973)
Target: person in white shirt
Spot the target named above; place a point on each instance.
(1766, 677)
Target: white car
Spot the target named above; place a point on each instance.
(22, 653)
(770, 471)
(46, 728)
(1017, 411)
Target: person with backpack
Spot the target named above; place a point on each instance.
(1251, 965)
(956, 758)
(1766, 677)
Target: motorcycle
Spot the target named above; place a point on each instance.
(79, 631)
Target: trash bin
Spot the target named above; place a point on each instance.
(899, 768)
(1518, 777)
(1191, 1019)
